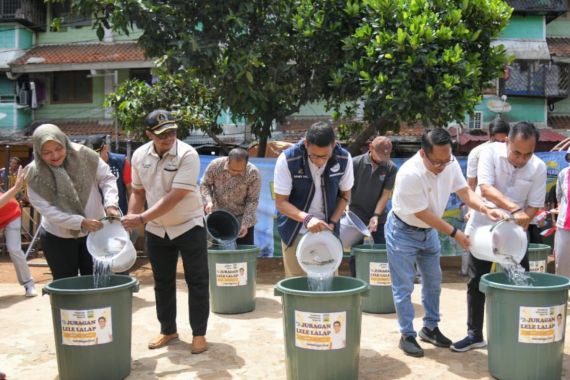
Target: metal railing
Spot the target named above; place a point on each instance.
(31, 13)
(537, 79)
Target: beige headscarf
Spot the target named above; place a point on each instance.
(68, 186)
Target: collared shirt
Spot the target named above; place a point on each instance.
(418, 189)
(177, 169)
(237, 194)
(473, 159)
(524, 186)
(60, 223)
(283, 183)
(370, 181)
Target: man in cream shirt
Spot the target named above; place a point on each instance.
(165, 175)
(423, 186)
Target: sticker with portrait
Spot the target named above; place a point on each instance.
(320, 331)
(86, 327)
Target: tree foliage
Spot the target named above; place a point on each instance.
(408, 60)
(192, 103)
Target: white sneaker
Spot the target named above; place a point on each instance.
(31, 290)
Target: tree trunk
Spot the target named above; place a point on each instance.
(216, 139)
(355, 146)
(263, 136)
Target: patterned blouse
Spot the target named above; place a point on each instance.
(238, 194)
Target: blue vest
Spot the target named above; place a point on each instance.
(117, 164)
(303, 188)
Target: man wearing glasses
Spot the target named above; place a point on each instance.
(511, 178)
(165, 175)
(423, 186)
(312, 183)
(233, 184)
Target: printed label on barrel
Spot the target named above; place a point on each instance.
(380, 274)
(320, 331)
(537, 266)
(86, 327)
(231, 274)
(541, 324)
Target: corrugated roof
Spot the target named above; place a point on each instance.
(80, 127)
(81, 53)
(559, 46)
(559, 121)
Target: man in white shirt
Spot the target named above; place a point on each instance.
(511, 178)
(498, 132)
(312, 183)
(423, 186)
(165, 176)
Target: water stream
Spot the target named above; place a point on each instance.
(320, 282)
(517, 274)
(102, 271)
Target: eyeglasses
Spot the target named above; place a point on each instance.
(319, 156)
(440, 164)
(165, 135)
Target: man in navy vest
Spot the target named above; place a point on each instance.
(120, 167)
(312, 183)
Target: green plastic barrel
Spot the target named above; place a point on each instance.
(537, 258)
(372, 267)
(92, 327)
(525, 326)
(232, 278)
(322, 329)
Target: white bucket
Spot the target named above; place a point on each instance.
(352, 229)
(319, 253)
(112, 243)
(501, 242)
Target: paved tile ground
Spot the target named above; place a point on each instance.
(245, 346)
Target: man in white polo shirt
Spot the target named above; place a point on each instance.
(511, 178)
(423, 186)
(165, 175)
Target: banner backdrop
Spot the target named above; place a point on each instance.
(266, 234)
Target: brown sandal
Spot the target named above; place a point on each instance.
(161, 340)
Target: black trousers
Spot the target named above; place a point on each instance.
(248, 238)
(163, 254)
(66, 257)
(476, 298)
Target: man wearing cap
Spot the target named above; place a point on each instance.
(374, 177)
(165, 175)
(233, 184)
(512, 178)
(312, 183)
(120, 167)
(423, 186)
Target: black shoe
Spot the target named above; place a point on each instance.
(411, 347)
(434, 337)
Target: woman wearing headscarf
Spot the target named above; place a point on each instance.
(65, 184)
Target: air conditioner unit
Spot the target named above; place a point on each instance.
(23, 98)
(476, 121)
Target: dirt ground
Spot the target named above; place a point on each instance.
(243, 346)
